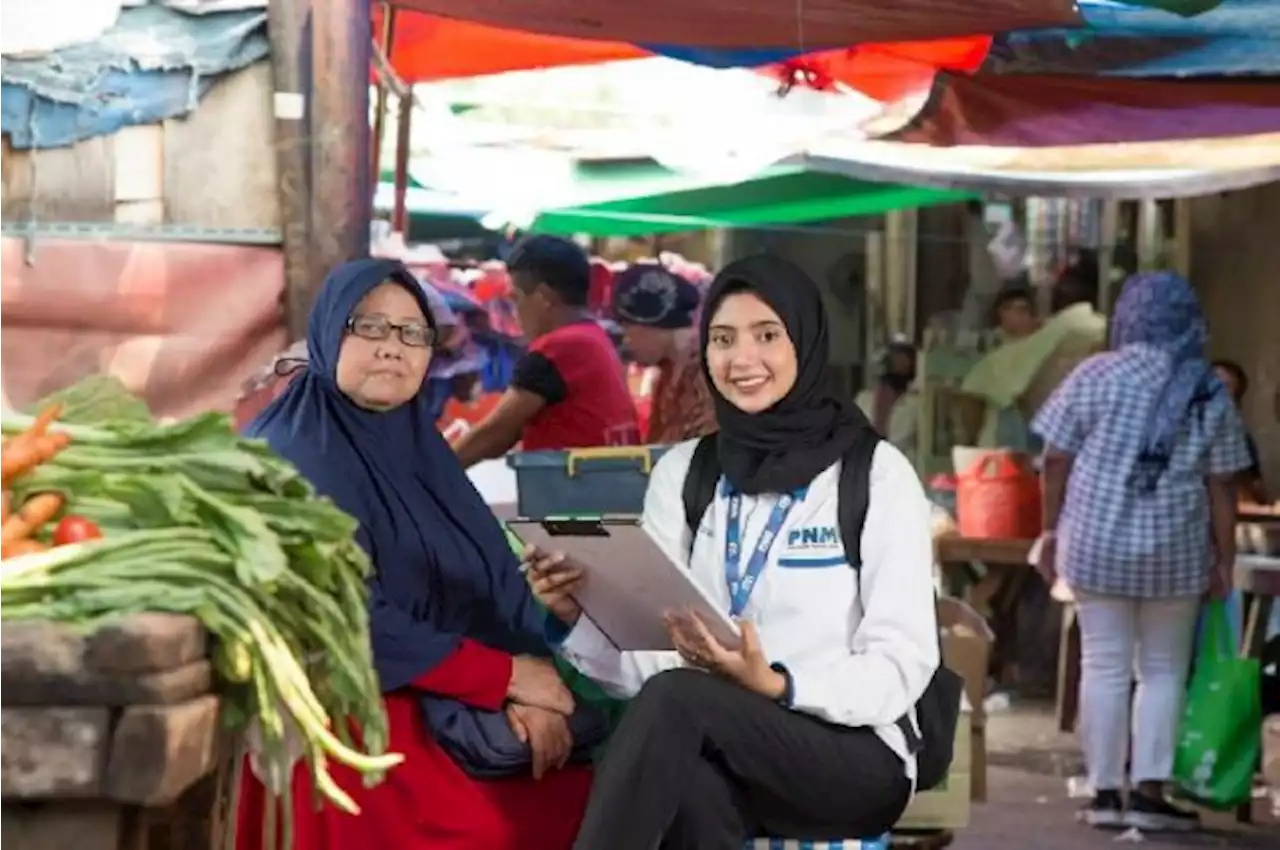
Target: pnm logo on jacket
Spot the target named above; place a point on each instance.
(812, 537)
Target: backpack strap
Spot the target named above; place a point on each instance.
(853, 500)
(700, 483)
(854, 496)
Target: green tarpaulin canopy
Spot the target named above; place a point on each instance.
(648, 199)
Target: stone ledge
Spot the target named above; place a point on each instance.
(144, 755)
(53, 752)
(158, 752)
(130, 661)
(84, 825)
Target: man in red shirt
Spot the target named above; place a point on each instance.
(569, 390)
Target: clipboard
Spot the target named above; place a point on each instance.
(630, 582)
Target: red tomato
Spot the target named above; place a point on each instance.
(75, 529)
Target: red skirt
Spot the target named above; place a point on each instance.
(426, 803)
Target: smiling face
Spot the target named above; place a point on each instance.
(380, 374)
(750, 356)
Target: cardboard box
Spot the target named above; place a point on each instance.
(947, 806)
(966, 649)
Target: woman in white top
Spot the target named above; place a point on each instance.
(795, 735)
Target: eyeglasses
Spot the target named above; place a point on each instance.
(378, 328)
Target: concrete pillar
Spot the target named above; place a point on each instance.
(1235, 265)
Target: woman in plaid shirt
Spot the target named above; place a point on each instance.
(1143, 446)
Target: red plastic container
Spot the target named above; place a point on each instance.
(998, 497)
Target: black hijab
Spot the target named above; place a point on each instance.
(785, 447)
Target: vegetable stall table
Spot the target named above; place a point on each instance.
(159, 582)
(111, 738)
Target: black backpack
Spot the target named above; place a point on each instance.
(938, 710)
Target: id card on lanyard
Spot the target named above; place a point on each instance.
(742, 582)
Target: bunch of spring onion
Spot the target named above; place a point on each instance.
(196, 520)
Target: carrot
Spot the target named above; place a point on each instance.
(34, 513)
(51, 444)
(5, 501)
(21, 456)
(22, 547)
(29, 450)
(46, 418)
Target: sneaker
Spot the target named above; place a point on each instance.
(1104, 811)
(1154, 814)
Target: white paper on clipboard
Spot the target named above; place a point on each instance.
(630, 582)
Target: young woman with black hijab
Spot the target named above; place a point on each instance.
(794, 735)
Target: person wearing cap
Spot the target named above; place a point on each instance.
(893, 405)
(569, 390)
(656, 309)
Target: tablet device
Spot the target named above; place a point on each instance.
(630, 582)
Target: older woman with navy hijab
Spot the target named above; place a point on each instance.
(481, 715)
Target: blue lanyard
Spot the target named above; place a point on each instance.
(742, 583)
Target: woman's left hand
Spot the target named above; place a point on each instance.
(545, 732)
(748, 666)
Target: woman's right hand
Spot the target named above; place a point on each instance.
(1046, 562)
(536, 682)
(554, 580)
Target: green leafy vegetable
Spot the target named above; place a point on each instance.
(200, 521)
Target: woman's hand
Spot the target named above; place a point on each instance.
(1047, 558)
(547, 734)
(535, 682)
(554, 580)
(747, 666)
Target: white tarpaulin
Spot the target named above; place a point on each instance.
(36, 27)
(1166, 169)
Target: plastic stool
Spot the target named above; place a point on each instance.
(881, 843)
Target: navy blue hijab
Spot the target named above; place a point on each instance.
(442, 567)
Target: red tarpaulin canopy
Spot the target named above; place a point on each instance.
(809, 25)
(429, 47)
(1046, 110)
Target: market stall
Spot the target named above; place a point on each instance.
(112, 738)
(160, 583)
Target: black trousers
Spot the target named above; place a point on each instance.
(698, 763)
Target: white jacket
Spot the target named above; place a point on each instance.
(854, 660)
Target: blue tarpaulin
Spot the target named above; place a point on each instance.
(1235, 38)
(155, 63)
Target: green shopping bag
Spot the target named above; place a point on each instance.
(1220, 740)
